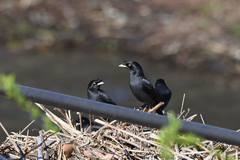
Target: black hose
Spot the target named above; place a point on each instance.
(125, 114)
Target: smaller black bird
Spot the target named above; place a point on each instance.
(86, 124)
(95, 93)
(141, 87)
(164, 94)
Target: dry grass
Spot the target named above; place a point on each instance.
(115, 140)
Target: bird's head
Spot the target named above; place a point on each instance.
(132, 66)
(85, 123)
(95, 84)
(160, 82)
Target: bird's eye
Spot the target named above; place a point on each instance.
(94, 83)
(82, 120)
(129, 65)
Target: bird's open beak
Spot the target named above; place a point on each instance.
(100, 83)
(122, 65)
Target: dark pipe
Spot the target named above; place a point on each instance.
(125, 114)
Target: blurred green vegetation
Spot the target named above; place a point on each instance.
(169, 136)
(7, 82)
(236, 29)
(211, 7)
(204, 23)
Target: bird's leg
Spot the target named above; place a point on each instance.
(145, 108)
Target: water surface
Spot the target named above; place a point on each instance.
(70, 73)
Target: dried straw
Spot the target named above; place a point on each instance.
(114, 140)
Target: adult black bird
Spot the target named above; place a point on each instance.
(141, 87)
(86, 124)
(95, 93)
(164, 94)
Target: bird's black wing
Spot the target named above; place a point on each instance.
(164, 93)
(149, 89)
(106, 98)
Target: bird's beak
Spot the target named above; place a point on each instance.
(100, 83)
(122, 65)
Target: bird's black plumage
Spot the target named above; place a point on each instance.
(86, 124)
(163, 92)
(141, 87)
(95, 93)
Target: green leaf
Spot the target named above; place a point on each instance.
(7, 82)
(170, 135)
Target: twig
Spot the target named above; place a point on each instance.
(202, 119)
(124, 124)
(131, 134)
(182, 103)
(112, 138)
(111, 149)
(87, 129)
(60, 151)
(178, 154)
(187, 113)
(90, 121)
(145, 108)
(115, 146)
(14, 144)
(211, 155)
(45, 153)
(191, 118)
(65, 127)
(80, 121)
(24, 155)
(51, 116)
(127, 141)
(68, 118)
(59, 110)
(236, 155)
(93, 153)
(69, 114)
(27, 138)
(156, 107)
(40, 148)
(126, 151)
(84, 144)
(137, 151)
(103, 127)
(26, 127)
(181, 114)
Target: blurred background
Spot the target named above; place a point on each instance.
(62, 45)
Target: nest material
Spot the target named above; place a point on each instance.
(115, 140)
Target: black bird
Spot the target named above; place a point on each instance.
(141, 87)
(86, 124)
(163, 92)
(95, 93)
